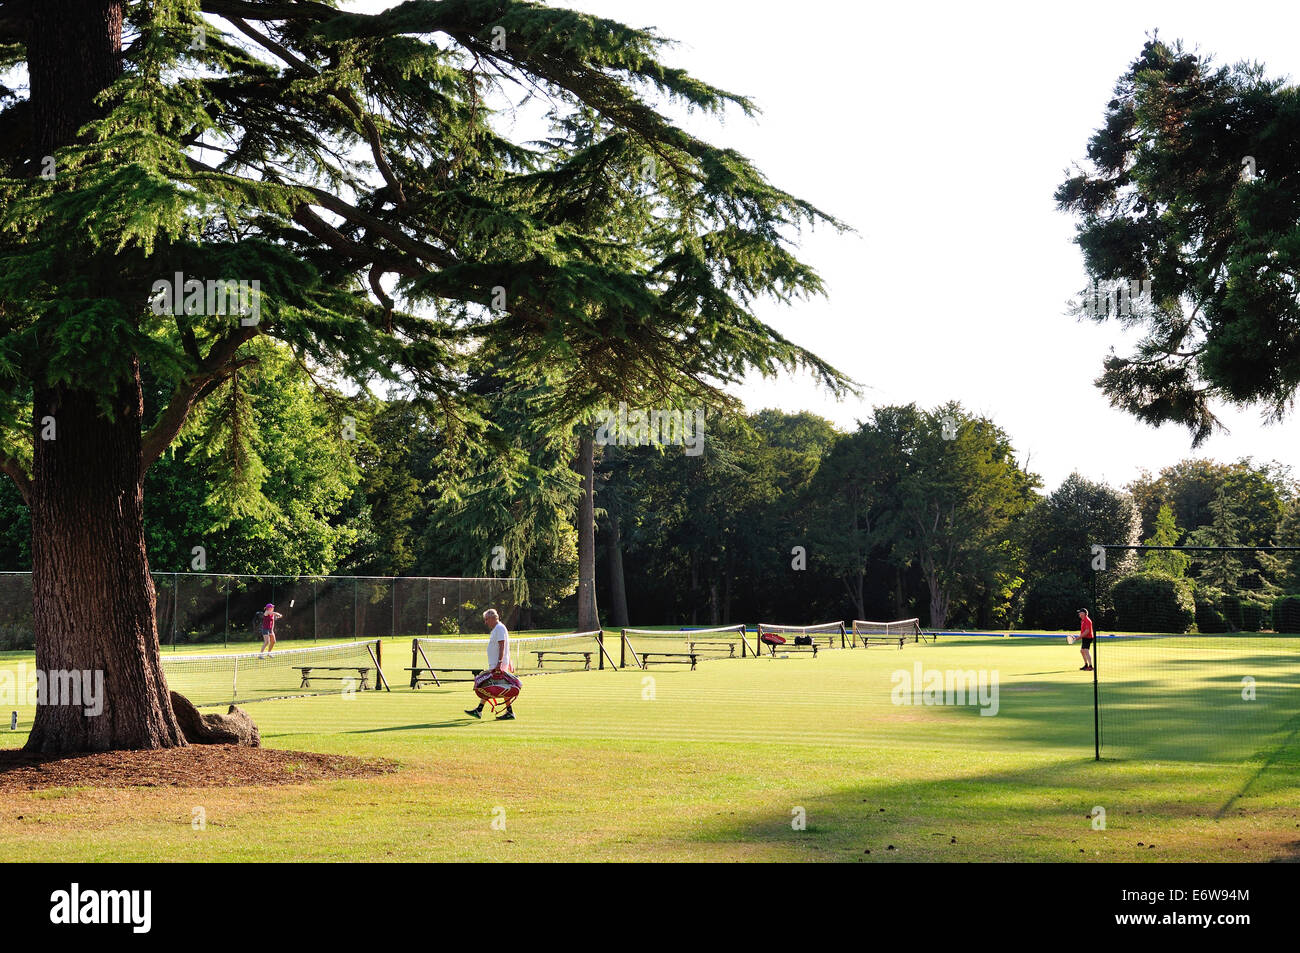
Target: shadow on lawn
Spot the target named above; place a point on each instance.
(459, 723)
(1194, 711)
(932, 820)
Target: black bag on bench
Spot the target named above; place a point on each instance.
(803, 640)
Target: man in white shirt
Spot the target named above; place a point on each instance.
(498, 650)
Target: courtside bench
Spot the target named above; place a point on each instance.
(870, 640)
(645, 657)
(731, 646)
(419, 676)
(562, 654)
(363, 674)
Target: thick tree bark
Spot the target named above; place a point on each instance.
(588, 617)
(93, 597)
(617, 581)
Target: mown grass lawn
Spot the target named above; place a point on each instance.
(721, 764)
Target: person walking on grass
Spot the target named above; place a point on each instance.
(1086, 636)
(498, 650)
(269, 615)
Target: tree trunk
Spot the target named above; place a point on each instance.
(728, 565)
(617, 582)
(92, 595)
(695, 587)
(938, 603)
(858, 597)
(588, 617)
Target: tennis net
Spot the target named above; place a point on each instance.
(902, 630)
(239, 678)
(669, 645)
(1204, 698)
(434, 661)
(832, 634)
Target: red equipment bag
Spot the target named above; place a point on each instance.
(771, 638)
(497, 688)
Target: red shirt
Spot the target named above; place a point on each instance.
(1085, 628)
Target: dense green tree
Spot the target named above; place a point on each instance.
(1283, 569)
(504, 502)
(1257, 491)
(850, 500)
(1193, 185)
(394, 442)
(1057, 536)
(957, 494)
(1219, 569)
(1165, 533)
(355, 166)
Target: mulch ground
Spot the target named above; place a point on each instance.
(198, 766)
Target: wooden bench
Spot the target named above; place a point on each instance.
(560, 653)
(693, 656)
(730, 645)
(867, 640)
(418, 679)
(307, 676)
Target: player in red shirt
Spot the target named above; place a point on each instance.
(1085, 636)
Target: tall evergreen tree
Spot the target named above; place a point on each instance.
(353, 165)
(1192, 186)
(1220, 568)
(1166, 533)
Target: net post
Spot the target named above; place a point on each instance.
(376, 656)
(600, 640)
(415, 647)
(1096, 702)
(622, 649)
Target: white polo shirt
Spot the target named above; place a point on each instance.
(499, 640)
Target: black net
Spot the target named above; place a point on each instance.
(1212, 698)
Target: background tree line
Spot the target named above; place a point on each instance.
(782, 518)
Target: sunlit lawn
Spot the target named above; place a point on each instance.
(723, 763)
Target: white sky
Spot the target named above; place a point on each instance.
(940, 131)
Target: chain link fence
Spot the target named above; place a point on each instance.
(203, 608)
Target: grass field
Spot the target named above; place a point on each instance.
(718, 764)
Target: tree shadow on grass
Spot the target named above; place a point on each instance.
(1285, 755)
(1010, 813)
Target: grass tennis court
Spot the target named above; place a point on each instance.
(715, 764)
